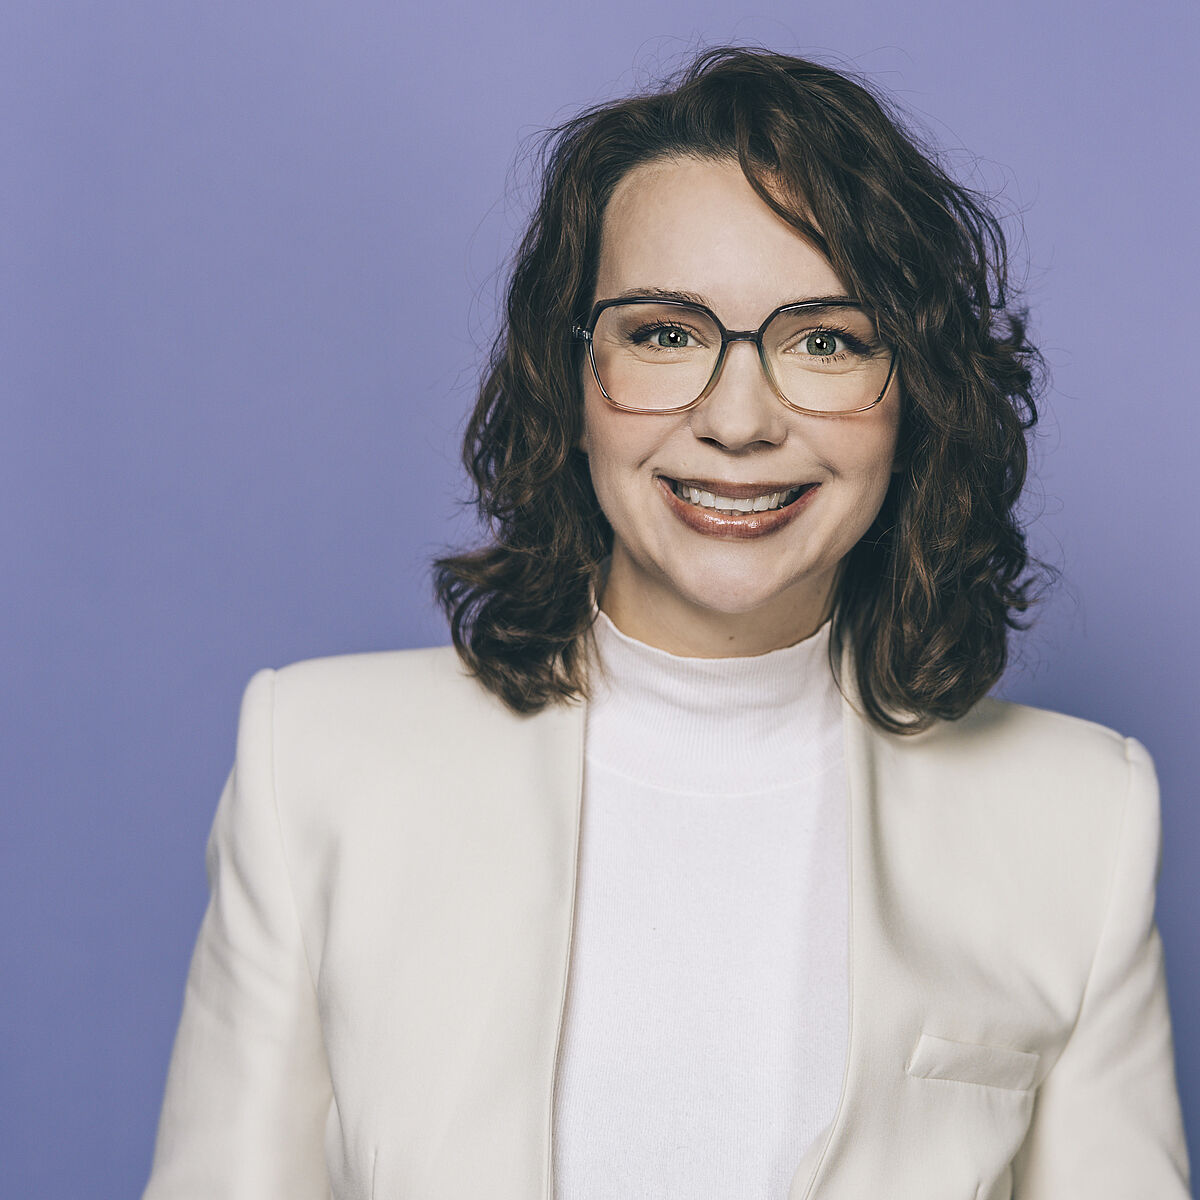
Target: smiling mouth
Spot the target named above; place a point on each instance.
(734, 506)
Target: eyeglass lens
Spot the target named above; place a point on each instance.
(660, 357)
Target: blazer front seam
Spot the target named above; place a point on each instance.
(577, 808)
(853, 754)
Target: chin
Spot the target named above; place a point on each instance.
(733, 594)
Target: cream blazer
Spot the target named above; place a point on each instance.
(374, 1004)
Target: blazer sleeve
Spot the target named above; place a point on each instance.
(1106, 1121)
(248, 1085)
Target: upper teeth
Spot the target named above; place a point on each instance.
(763, 503)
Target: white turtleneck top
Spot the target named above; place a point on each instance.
(704, 1037)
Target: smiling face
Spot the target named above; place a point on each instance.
(684, 576)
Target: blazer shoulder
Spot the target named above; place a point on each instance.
(1027, 773)
(421, 706)
(1009, 737)
(1055, 724)
(402, 683)
(427, 664)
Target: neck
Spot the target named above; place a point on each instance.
(711, 725)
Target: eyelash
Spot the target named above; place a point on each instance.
(852, 343)
(644, 332)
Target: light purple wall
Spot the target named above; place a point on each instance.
(249, 264)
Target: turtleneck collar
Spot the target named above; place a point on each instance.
(712, 725)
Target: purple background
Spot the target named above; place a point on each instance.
(250, 260)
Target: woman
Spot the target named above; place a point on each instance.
(705, 867)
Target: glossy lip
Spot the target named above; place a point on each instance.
(739, 525)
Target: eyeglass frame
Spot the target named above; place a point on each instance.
(585, 333)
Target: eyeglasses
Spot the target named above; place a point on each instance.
(821, 357)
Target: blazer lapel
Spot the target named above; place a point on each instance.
(922, 869)
(818, 1170)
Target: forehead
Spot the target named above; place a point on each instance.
(697, 225)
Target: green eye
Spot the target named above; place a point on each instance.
(671, 339)
(821, 344)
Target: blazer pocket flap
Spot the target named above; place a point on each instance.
(970, 1062)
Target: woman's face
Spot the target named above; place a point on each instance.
(698, 586)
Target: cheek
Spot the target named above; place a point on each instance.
(862, 455)
(607, 446)
(614, 442)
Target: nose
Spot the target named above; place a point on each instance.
(741, 409)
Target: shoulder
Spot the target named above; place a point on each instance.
(412, 714)
(419, 689)
(429, 669)
(1022, 776)
(1016, 742)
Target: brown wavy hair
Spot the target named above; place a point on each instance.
(928, 596)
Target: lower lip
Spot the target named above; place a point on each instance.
(734, 525)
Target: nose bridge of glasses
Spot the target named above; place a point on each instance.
(742, 335)
(729, 336)
(754, 337)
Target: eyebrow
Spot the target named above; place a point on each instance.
(658, 293)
